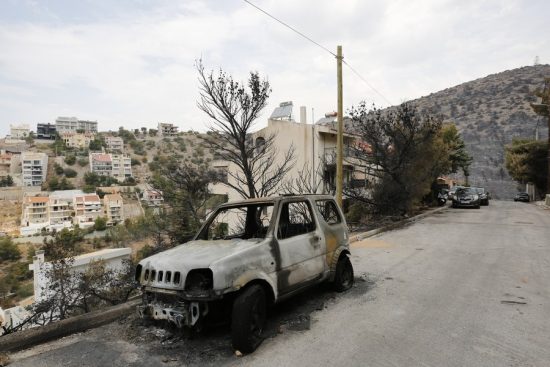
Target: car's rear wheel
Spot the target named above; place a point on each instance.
(343, 277)
(248, 319)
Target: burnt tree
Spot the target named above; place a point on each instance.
(233, 108)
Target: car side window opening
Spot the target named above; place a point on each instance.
(328, 211)
(295, 219)
(244, 222)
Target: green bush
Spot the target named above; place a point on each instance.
(25, 290)
(8, 250)
(69, 172)
(58, 169)
(70, 160)
(82, 162)
(100, 224)
(135, 162)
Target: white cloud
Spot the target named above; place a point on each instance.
(136, 67)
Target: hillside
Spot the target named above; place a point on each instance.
(489, 113)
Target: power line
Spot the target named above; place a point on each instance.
(321, 46)
(366, 82)
(291, 28)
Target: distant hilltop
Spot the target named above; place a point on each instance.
(490, 112)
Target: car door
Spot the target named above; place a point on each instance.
(333, 225)
(301, 245)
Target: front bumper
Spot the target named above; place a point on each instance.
(472, 203)
(183, 314)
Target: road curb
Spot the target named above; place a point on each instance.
(389, 227)
(31, 337)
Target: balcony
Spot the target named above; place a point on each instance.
(330, 155)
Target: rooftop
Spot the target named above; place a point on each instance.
(101, 157)
(36, 199)
(112, 197)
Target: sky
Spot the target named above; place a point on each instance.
(131, 63)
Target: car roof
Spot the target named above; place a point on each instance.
(273, 199)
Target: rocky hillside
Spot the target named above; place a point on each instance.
(490, 112)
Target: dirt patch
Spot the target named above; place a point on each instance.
(10, 216)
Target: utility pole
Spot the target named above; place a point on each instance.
(340, 138)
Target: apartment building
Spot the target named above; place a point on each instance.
(34, 168)
(101, 163)
(118, 166)
(77, 140)
(114, 143)
(314, 152)
(165, 129)
(35, 213)
(122, 166)
(73, 124)
(114, 208)
(19, 131)
(61, 208)
(87, 208)
(46, 131)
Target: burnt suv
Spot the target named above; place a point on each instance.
(247, 255)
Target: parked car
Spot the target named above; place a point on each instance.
(466, 197)
(246, 255)
(483, 196)
(522, 196)
(452, 191)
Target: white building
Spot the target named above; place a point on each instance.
(34, 168)
(165, 129)
(113, 259)
(114, 143)
(77, 140)
(62, 208)
(19, 131)
(59, 209)
(72, 124)
(35, 214)
(122, 166)
(314, 151)
(118, 166)
(87, 209)
(114, 208)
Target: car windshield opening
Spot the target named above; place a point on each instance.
(239, 222)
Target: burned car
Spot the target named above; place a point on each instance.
(247, 255)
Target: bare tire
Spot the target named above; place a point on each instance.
(248, 319)
(343, 277)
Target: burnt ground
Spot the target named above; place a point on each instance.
(135, 342)
(212, 346)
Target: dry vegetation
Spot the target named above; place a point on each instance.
(489, 113)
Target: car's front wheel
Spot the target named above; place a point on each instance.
(248, 319)
(343, 277)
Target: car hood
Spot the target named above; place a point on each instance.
(197, 254)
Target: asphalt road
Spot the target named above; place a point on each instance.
(464, 287)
